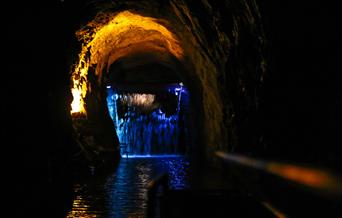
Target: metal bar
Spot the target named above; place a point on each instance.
(320, 180)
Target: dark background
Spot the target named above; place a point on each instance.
(302, 96)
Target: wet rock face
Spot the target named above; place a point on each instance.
(223, 65)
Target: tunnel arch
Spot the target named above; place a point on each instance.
(213, 59)
(111, 36)
(134, 45)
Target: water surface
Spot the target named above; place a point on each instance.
(124, 193)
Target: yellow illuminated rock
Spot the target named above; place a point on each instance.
(112, 36)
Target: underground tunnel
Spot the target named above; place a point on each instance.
(137, 68)
(154, 105)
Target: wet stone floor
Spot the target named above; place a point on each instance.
(124, 193)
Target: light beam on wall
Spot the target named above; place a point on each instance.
(113, 35)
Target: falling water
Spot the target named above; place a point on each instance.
(142, 126)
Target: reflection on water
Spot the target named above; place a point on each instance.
(124, 193)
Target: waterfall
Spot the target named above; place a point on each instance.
(142, 124)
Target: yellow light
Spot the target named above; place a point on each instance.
(109, 32)
(307, 176)
(80, 81)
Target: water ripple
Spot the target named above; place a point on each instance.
(124, 193)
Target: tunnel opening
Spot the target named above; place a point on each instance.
(149, 105)
(131, 90)
(150, 120)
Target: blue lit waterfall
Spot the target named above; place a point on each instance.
(152, 123)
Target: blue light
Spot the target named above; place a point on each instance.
(152, 156)
(127, 188)
(146, 134)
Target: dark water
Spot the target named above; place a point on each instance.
(124, 193)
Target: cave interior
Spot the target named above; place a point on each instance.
(216, 81)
